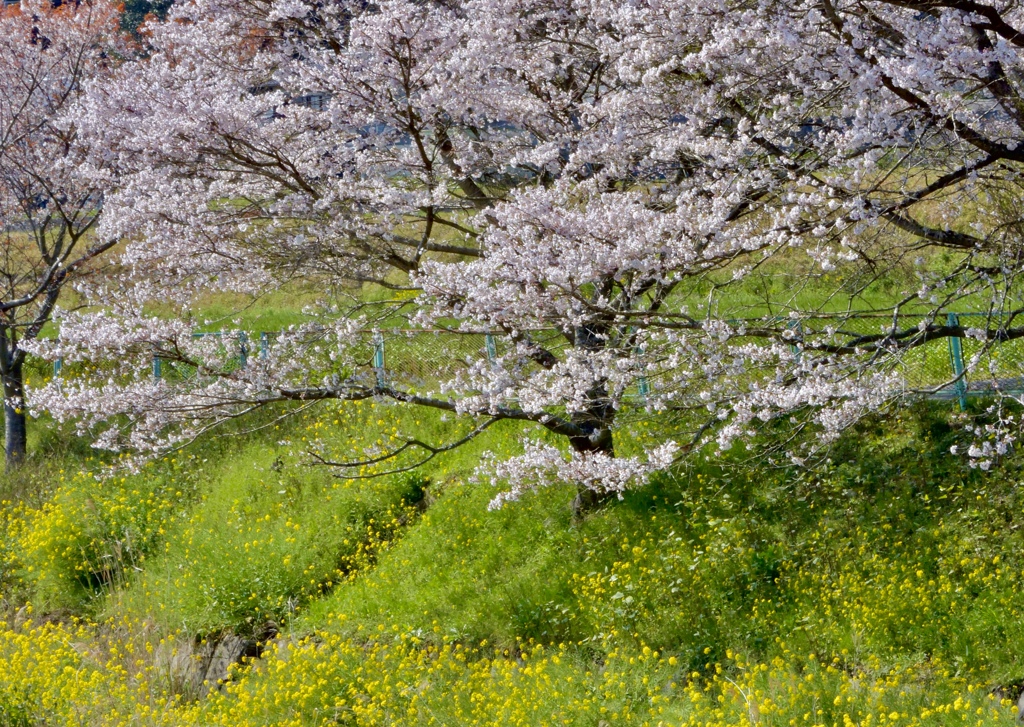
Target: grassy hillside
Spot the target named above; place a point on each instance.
(881, 588)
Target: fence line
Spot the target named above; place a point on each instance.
(404, 355)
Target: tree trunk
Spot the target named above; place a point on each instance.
(595, 423)
(586, 501)
(15, 424)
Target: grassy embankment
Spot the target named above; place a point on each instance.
(883, 588)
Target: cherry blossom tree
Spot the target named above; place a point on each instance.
(47, 208)
(753, 212)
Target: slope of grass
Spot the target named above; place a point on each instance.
(882, 588)
(271, 533)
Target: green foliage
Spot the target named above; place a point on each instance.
(263, 543)
(731, 554)
(271, 533)
(881, 586)
(483, 575)
(92, 534)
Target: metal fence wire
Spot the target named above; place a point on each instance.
(419, 360)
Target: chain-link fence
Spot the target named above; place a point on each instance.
(418, 360)
(946, 367)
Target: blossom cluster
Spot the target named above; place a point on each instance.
(694, 198)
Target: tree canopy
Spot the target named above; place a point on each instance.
(48, 206)
(705, 198)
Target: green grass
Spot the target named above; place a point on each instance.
(886, 580)
(882, 586)
(270, 533)
(729, 555)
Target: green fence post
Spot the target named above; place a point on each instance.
(243, 348)
(378, 358)
(956, 359)
(643, 386)
(58, 364)
(492, 349)
(795, 325)
(157, 366)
